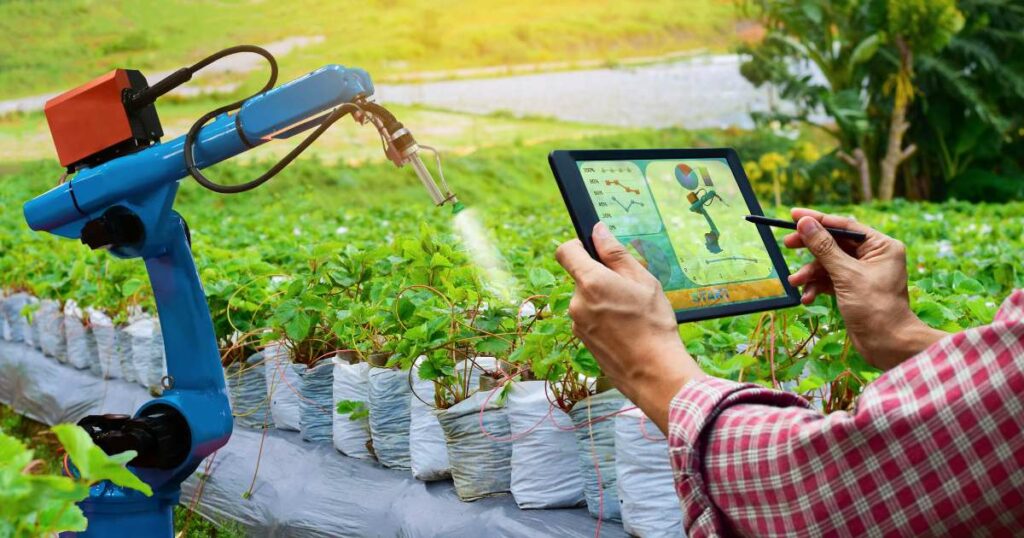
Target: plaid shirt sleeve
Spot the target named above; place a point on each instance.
(934, 447)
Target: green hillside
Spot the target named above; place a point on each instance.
(49, 46)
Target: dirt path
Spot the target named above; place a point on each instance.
(675, 90)
(694, 93)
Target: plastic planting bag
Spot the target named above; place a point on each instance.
(595, 439)
(123, 342)
(283, 384)
(108, 363)
(646, 487)
(389, 416)
(50, 319)
(80, 340)
(428, 453)
(317, 394)
(5, 327)
(351, 384)
(545, 465)
(19, 327)
(25, 320)
(122, 353)
(247, 388)
(37, 329)
(147, 352)
(476, 432)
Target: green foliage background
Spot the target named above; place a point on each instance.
(346, 253)
(964, 259)
(955, 64)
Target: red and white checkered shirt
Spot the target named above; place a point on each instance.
(934, 447)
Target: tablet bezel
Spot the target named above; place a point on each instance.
(584, 215)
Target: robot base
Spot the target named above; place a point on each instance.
(114, 512)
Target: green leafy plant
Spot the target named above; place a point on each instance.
(299, 318)
(33, 503)
(354, 409)
(445, 315)
(363, 319)
(122, 288)
(968, 114)
(238, 290)
(549, 349)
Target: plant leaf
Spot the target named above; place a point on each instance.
(95, 465)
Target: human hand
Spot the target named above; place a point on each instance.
(621, 314)
(869, 281)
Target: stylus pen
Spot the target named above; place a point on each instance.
(790, 225)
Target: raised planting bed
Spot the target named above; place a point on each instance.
(301, 488)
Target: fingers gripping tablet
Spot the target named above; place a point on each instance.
(681, 213)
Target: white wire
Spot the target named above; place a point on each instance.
(440, 169)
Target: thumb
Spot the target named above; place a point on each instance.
(613, 254)
(822, 244)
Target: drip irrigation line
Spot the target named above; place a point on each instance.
(259, 457)
(412, 389)
(512, 437)
(590, 421)
(771, 353)
(597, 473)
(197, 495)
(643, 430)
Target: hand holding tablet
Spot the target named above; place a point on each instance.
(681, 213)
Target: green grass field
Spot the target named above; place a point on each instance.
(51, 46)
(26, 137)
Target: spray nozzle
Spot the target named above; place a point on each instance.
(402, 149)
(439, 192)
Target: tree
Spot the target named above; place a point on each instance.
(922, 27)
(854, 61)
(969, 110)
(815, 54)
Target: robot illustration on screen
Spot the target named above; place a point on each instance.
(655, 257)
(700, 198)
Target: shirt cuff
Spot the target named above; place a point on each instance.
(691, 413)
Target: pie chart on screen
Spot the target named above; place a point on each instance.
(686, 176)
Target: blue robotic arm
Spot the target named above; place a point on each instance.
(126, 205)
(146, 181)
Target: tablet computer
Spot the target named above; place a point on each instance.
(681, 213)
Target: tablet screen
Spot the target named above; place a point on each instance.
(684, 220)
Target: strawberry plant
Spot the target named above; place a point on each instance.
(550, 350)
(388, 277)
(445, 315)
(238, 290)
(122, 288)
(363, 319)
(298, 317)
(33, 503)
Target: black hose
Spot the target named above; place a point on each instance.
(193, 132)
(334, 116)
